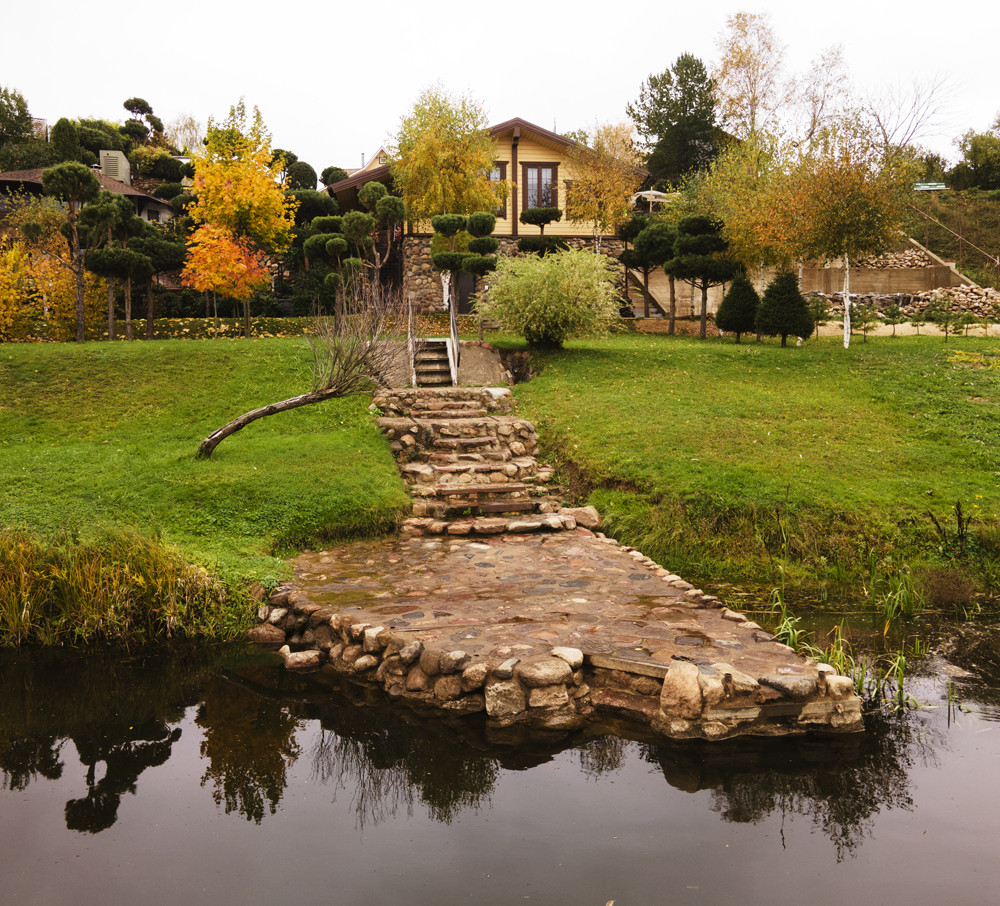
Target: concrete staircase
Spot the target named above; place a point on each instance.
(470, 464)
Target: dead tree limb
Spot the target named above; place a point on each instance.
(351, 356)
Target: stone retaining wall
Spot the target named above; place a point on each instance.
(424, 283)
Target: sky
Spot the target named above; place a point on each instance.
(332, 80)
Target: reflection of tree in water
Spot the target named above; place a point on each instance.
(125, 757)
(389, 764)
(249, 743)
(603, 755)
(116, 707)
(840, 784)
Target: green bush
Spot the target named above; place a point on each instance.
(541, 245)
(168, 190)
(548, 300)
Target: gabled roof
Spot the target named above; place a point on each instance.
(516, 125)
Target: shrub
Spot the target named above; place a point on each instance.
(301, 176)
(481, 224)
(738, 311)
(330, 175)
(540, 217)
(370, 193)
(548, 300)
(168, 190)
(541, 245)
(783, 311)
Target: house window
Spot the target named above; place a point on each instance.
(499, 174)
(540, 186)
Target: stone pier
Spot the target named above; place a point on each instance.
(497, 600)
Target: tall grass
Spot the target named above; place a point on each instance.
(120, 587)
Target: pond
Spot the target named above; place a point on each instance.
(213, 776)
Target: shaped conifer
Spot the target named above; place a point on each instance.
(738, 311)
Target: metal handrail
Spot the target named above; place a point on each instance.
(454, 350)
(411, 340)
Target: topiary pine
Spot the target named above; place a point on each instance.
(738, 311)
(540, 217)
(783, 310)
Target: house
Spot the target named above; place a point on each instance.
(534, 161)
(147, 206)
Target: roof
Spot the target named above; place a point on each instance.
(515, 125)
(112, 185)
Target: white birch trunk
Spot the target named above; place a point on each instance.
(446, 287)
(847, 301)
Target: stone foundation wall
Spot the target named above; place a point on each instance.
(424, 283)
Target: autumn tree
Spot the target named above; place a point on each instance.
(240, 211)
(15, 283)
(675, 116)
(185, 133)
(854, 196)
(442, 155)
(605, 176)
(750, 80)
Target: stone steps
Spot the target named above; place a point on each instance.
(469, 463)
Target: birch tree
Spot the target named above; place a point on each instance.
(605, 176)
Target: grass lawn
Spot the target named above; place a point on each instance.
(105, 435)
(724, 460)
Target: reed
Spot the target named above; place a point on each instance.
(120, 587)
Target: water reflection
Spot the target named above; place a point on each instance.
(124, 717)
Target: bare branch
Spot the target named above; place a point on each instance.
(901, 114)
(362, 350)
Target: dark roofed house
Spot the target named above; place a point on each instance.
(146, 206)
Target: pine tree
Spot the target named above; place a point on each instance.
(738, 311)
(783, 311)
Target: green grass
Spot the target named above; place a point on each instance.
(727, 460)
(104, 435)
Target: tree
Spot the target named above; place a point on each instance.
(166, 255)
(738, 311)
(349, 356)
(102, 219)
(700, 258)
(605, 176)
(548, 300)
(75, 184)
(855, 197)
(675, 116)
(15, 282)
(783, 310)
(652, 246)
(442, 156)
(301, 176)
(15, 120)
(540, 217)
(330, 175)
(239, 196)
(980, 164)
(310, 204)
(145, 127)
(750, 83)
(185, 133)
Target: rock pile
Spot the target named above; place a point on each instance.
(906, 258)
(979, 301)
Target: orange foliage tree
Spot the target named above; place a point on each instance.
(242, 212)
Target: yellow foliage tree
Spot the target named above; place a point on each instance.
(605, 175)
(47, 279)
(442, 157)
(15, 284)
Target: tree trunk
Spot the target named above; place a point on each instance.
(78, 270)
(128, 308)
(673, 305)
(704, 311)
(208, 445)
(847, 301)
(246, 318)
(111, 308)
(645, 291)
(149, 308)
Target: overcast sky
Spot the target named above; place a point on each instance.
(333, 79)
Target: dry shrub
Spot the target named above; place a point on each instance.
(945, 587)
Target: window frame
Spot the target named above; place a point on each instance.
(538, 166)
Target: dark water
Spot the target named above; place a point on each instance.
(216, 778)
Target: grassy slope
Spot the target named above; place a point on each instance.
(972, 216)
(106, 434)
(848, 448)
